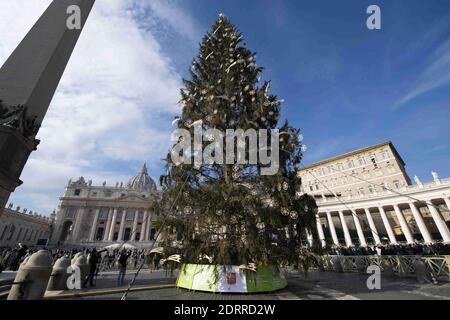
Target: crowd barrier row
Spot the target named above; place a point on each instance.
(38, 273)
(438, 267)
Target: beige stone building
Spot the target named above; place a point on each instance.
(366, 197)
(344, 175)
(100, 215)
(23, 226)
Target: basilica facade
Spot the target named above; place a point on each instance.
(90, 215)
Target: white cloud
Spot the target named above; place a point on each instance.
(170, 13)
(115, 101)
(435, 75)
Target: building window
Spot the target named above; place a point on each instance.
(350, 163)
(127, 234)
(398, 184)
(331, 169)
(152, 234)
(361, 191)
(108, 193)
(370, 189)
(374, 162)
(94, 194)
(77, 192)
(100, 233)
(384, 154)
(361, 161)
(311, 188)
(103, 215)
(70, 212)
(340, 166)
(130, 215)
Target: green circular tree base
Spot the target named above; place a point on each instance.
(230, 279)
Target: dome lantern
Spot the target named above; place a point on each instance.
(142, 181)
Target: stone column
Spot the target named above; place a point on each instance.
(149, 226)
(122, 224)
(348, 239)
(77, 226)
(108, 226)
(440, 224)
(359, 230)
(332, 229)
(94, 225)
(144, 227)
(309, 237)
(113, 225)
(320, 231)
(420, 223)
(447, 202)
(387, 226)
(135, 222)
(373, 228)
(403, 224)
(28, 80)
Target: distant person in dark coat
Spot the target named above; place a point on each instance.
(123, 260)
(93, 259)
(21, 252)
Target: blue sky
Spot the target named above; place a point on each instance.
(345, 86)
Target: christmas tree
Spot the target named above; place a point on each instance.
(232, 214)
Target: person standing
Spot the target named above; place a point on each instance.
(92, 261)
(123, 260)
(21, 252)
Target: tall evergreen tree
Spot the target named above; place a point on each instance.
(231, 213)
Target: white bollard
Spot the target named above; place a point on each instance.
(32, 278)
(58, 278)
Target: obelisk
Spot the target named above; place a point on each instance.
(28, 80)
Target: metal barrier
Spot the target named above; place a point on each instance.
(5, 287)
(438, 266)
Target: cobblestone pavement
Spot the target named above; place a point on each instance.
(325, 285)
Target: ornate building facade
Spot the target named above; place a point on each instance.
(101, 215)
(366, 197)
(23, 226)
